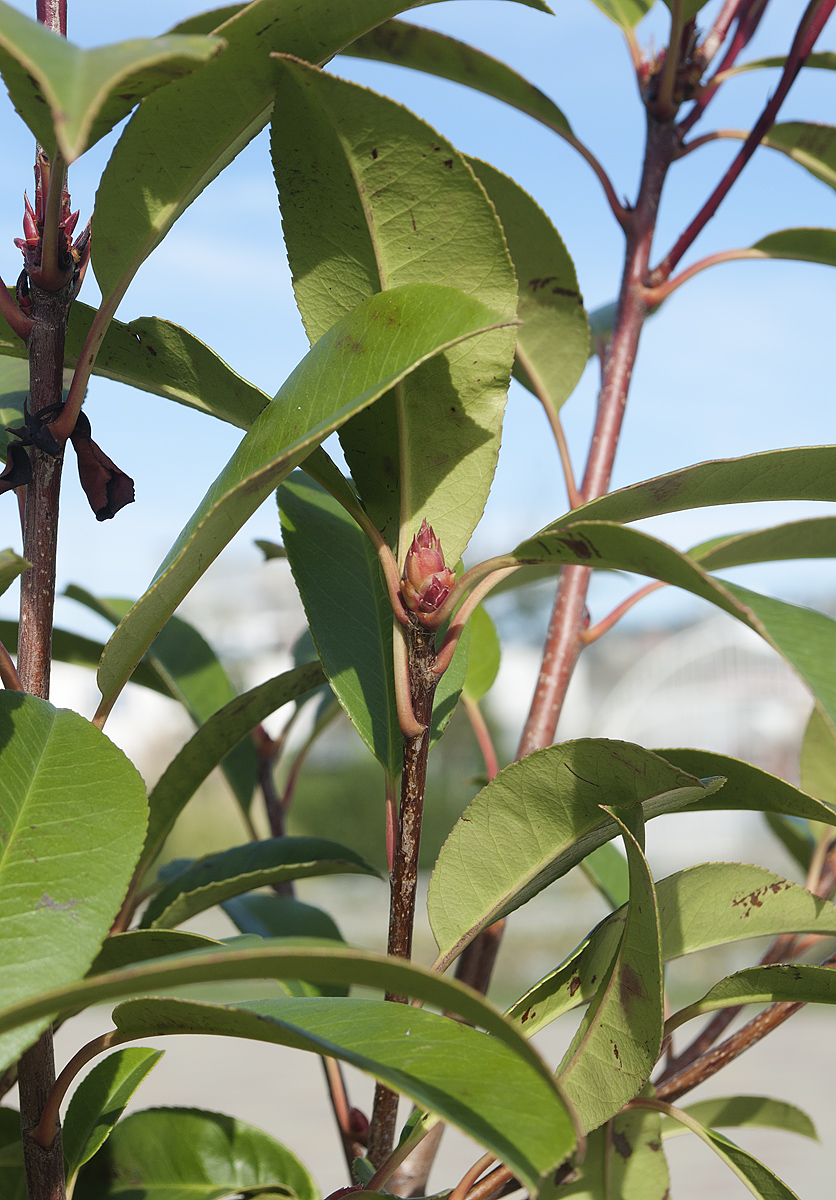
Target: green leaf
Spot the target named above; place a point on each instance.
(484, 657)
(544, 814)
(777, 983)
(617, 1043)
(14, 387)
(810, 145)
(807, 245)
(140, 945)
(758, 1111)
(72, 97)
(99, 1101)
(195, 676)
(148, 353)
(217, 877)
(407, 45)
(553, 342)
(372, 198)
(363, 356)
(184, 135)
(636, 1165)
(794, 834)
(606, 870)
(476, 1082)
(626, 13)
(808, 473)
(712, 904)
(818, 760)
(212, 742)
(83, 652)
(806, 639)
(72, 816)
(813, 538)
(11, 565)
(190, 1154)
(280, 916)
(266, 960)
(823, 60)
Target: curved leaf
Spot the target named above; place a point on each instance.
(183, 136)
(822, 59)
(624, 1161)
(806, 245)
(758, 1111)
(194, 675)
(759, 1179)
(372, 198)
(12, 1174)
(336, 569)
(190, 1154)
(484, 655)
(358, 360)
(140, 945)
(407, 45)
(99, 1101)
(209, 746)
(536, 820)
(228, 873)
(316, 964)
(553, 342)
(11, 566)
(72, 818)
(806, 473)
(781, 982)
(709, 905)
(748, 787)
(280, 916)
(806, 639)
(817, 767)
(72, 97)
(813, 538)
(476, 1082)
(811, 145)
(617, 1043)
(626, 13)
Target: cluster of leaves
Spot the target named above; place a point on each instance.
(424, 280)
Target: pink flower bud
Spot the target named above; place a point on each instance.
(426, 581)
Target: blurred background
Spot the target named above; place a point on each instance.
(737, 361)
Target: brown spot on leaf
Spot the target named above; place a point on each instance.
(448, 162)
(630, 987)
(579, 546)
(374, 152)
(574, 984)
(621, 1143)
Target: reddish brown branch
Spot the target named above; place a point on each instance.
(811, 25)
(748, 14)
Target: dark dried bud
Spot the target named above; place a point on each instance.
(106, 487)
(18, 468)
(358, 1123)
(35, 431)
(426, 581)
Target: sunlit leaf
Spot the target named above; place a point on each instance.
(280, 916)
(617, 1043)
(228, 873)
(72, 815)
(373, 198)
(738, 1111)
(99, 1101)
(708, 905)
(476, 1082)
(780, 982)
(190, 1154)
(72, 97)
(536, 820)
(407, 45)
(813, 538)
(807, 245)
(811, 145)
(822, 59)
(484, 656)
(396, 332)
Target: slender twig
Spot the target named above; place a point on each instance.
(811, 24)
(8, 672)
(595, 631)
(352, 1148)
(483, 735)
(716, 135)
(553, 417)
(665, 106)
(65, 424)
(47, 1128)
(749, 14)
(456, 627)
(657, 294)
(718, 32)
(17, 320)
(491, 1184)
(53, 14)
(470, 1177)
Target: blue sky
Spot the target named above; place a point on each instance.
(738, 360)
